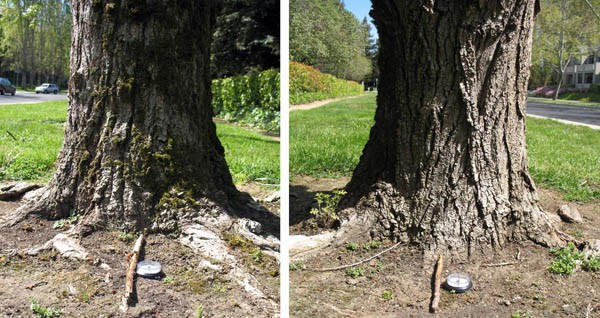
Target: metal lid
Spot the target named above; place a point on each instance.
(458, 282)
(150, 269)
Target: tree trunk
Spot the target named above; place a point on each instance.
(140, 148)
(446, 165)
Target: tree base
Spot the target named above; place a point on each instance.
(383, 214)
(201, 226)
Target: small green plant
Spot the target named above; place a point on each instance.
(43, 312)
(371, 245)
(126, 237)
(565, 259)
(591, 264)
(200, 311)
(352, 246)
(71, 220)
(387, 295)
(257, 255)
(355, 272)
(219, 288)
(296, 265)
(168, 280)
(325, 212)
(519, 314)
(578, 233)
(379, 267)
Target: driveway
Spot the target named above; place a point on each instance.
(579, 114)
(30, 98)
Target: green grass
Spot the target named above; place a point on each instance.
(39, 130)
(328, 142)
(570, 100)
(249, 154)
(565, 157)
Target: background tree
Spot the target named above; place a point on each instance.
(35, 40)
(564, 30)
(446, 162)
(325, 35)
(246, 37)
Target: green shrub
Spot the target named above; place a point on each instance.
(248, 99)
(595, 88)
(307, 84)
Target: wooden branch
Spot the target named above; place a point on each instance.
(435, 301)
(499, 264)
(592, 8)
(133, 260)
(357, 263)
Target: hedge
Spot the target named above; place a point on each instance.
(248, 99)
(308, 84)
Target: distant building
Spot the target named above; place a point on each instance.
(583, 70)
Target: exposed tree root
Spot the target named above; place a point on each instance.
(200, 230)
(384, 214)
(66, 244)
(30, 195)
(16, 190)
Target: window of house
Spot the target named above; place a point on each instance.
(589, 78)
(579, 78)
(569, 78)
(589, 59)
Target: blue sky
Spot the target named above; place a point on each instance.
(361, 8)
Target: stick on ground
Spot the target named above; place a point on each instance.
(133, 260)
(435, 301)
(357, 263)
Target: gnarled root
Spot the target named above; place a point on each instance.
(66, 244)
(460, 227)
(31, 197)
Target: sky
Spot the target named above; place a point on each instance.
(361, 8)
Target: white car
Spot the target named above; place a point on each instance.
(47, 88)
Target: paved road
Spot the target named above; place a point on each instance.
(581, 114)
(30, 98)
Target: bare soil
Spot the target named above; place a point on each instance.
(91, 289)
(523, 289)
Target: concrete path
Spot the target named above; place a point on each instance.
(320, 103)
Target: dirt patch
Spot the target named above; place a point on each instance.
(398, 283)
(94, 288)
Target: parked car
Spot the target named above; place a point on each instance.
(47, 88)
(6, 87)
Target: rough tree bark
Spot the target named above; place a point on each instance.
(140, 144)
(446, 165)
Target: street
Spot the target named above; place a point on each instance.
(30, 98)
(581, 114)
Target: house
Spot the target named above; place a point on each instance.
(583, 70)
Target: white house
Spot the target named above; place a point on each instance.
(583, 70)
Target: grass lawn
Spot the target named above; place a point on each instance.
(39, 130)
(582, 102)
(328, 142)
